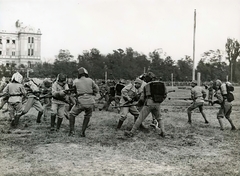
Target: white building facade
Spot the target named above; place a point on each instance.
(20, 47)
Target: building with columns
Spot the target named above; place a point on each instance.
(20, 47)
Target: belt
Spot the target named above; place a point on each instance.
(79, 95)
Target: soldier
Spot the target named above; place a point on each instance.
(86, 89)
(15, 91)
(154, 93)
(226, 106)
(210, 92)
(33, 93)
(45, 97)
(59, 91)
(3, 84)
(198, 94)
(129, 94)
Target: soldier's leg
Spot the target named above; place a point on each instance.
(38, 106)
(142, 116)
(123, 116)
(11, 113)
(134, 111)
(220, 116)
(87, 116)
(72, 114)
(228, 111)
(203, 114)
(18, 109)
(156, 112)
(189, 112)
(61, 111)
(54, 109)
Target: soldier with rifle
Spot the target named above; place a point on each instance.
(59, 91)
(198, 94)
(154, 93)
(129, 94)
(33, 93)
(224, 100)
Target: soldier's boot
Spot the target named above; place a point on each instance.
(39, 117)
(16, 119)
(231, 123)
(71, 125)
(53, 118)
(120, 122)
(84, 126)
(59, 122)
(189, 117)
(220, 123)
(204, 116)
(161, 126)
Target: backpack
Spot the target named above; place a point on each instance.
(157, 90)
(230, 89)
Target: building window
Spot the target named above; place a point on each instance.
(32, 53)
(29, 50)
(13, 42)
(7, 51)
(8, 41)
(13, 53)
(29, 39)
(32, 40)
(0, 41)
(0, 52)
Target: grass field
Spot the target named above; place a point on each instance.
(200, 149)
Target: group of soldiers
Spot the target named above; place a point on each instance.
(65, 97)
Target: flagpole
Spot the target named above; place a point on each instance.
(194, 32)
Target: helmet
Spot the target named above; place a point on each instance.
(62, 77)
(217, 84)
(82, 70)
(150, 76)
(17, 77)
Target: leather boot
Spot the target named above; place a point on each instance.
(231, 123)
(161, 126)
(84, 126)
(189, 117)
(120, 122)
(16, 119)
(53, 118)
(220, 123)
(39, 117)
(71, 125)
(59, 122)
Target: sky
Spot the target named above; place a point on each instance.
(144, 25)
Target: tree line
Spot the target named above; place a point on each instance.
(128, 64)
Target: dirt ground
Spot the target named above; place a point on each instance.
(199, 149)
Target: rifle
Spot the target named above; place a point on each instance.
(183, 98)
(125, 105)
(6, 94)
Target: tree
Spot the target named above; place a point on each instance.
(233, 51)
(185, 66)
(64, 55)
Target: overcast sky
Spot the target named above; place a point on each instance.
(144, 25)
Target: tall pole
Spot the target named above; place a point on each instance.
(194, 32)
